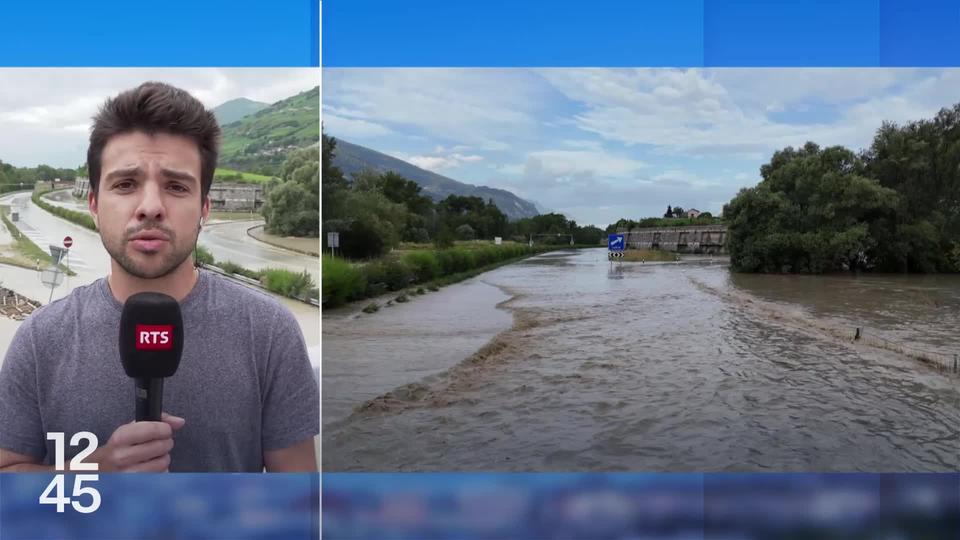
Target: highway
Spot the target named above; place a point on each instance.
(229, 241)
(89, 259)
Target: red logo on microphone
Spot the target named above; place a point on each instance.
(154, 337)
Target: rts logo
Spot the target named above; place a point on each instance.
(154, 337)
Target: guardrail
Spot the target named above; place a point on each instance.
(254, 283)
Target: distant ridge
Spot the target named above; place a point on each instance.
(352, 158)
(235, 109)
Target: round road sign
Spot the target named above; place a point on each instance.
(67, 242)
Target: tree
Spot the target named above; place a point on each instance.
(292, 206)
(678, 212)
(921, 161)
(814, 211)
(290, 210)
(466, 232)
(669, 212)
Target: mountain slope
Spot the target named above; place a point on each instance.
(260, 142)
(352, 158)
(235, 109)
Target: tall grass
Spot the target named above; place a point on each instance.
(80, 218)
(281, 281)
(344, 282)
(287, 282)
(202, 256)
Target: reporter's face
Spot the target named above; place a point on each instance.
(148, 205)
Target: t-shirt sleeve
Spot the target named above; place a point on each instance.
(21, 428)
(291, 410)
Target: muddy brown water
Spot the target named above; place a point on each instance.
(603, 366)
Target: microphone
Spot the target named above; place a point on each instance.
(151, 342)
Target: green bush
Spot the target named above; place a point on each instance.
(80, 218)
(397, 274)
(202, 256)
(234, 268)
(342, 282)
(424, 265)
(287, 282)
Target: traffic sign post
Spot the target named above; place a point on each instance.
(58, 253)
(616, 242)
(51, 277)
(333, 240)
(615, 246)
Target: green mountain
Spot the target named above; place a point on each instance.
(260, 142)
(235, 109)
(353, 158)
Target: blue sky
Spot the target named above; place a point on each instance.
(601, 144)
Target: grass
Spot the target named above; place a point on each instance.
(230, 175)
(344, 281)
(297, 285)
(28, 252)
(235, 215)
(80, 218)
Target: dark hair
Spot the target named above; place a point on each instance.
(155, 107)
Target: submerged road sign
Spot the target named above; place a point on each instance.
(615, 242)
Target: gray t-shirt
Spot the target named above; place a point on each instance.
(244, 385)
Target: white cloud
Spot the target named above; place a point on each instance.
(349, 127)
(566, 165)
(437, 163)
(725, 112)
(476, 107)
(569, 137)
(45, 113)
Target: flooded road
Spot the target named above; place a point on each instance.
(661, 367)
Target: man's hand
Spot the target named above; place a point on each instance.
(139, 446)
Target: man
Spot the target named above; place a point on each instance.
(244, 398)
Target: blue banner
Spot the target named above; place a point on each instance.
(176, 33)
(625, 33)
(614, 506)
(168, 506)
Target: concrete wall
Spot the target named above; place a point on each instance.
(224, 197)
(81, 186)
(690, 239)
(236, 197)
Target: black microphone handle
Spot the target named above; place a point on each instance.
(149, 394)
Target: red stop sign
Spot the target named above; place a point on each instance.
(67, 242)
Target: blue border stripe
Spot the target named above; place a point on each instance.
(640, 505)
(214, 506)
(181, 33)
(499, 33)
(791, 33)
(496, 33)
(920, 33)
(314, 32)
(620, 33)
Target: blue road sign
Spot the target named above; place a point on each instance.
(615, 242)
